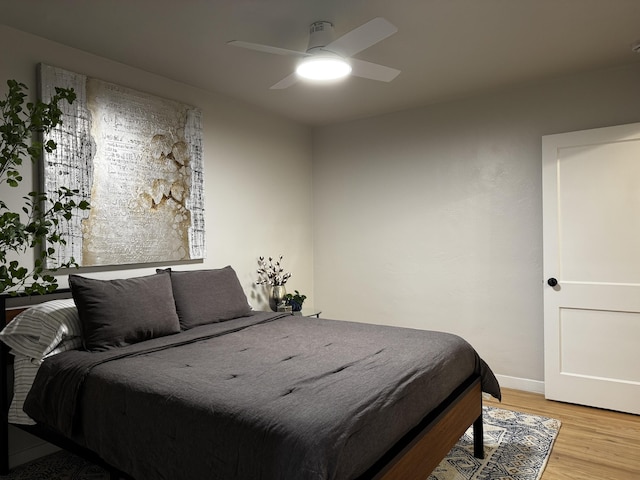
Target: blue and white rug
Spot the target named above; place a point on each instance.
(516, 447)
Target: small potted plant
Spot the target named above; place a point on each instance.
(295, 301)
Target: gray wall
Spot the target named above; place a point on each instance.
(432, 218)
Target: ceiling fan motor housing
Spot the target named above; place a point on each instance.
(320, 35)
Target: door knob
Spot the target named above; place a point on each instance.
(552, 282)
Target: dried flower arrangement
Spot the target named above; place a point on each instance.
(272, 272)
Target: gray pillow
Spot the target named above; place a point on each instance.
(116, 313)
(207, 296)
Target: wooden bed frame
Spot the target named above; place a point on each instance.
(412, 458)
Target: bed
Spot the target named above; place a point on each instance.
(177, 378)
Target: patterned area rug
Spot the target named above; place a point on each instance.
(516, 445)
(58, 466)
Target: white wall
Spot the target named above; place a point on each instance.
(257, 168)
(432, 218)
(428, 218)
(257, 171)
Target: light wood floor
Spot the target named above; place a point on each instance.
(593, 444)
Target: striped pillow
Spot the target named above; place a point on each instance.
(24, 371)
(44, 329)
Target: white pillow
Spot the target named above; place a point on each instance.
(44, 329)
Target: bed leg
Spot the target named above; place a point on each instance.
(4, 446)
(4, 420)
(478, 440)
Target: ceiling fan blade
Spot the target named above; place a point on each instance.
(286, 82)
(266, 48)
(362, 37)
(363, 69)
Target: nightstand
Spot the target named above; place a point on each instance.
(309, 313)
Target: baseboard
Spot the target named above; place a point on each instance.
(24, 448)
(525, 384)
(30, 454)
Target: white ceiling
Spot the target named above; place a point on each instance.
(446, 49)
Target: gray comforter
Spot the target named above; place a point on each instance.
(260, 397)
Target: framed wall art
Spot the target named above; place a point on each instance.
(137, 159)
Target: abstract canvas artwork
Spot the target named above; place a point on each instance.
(137, 159)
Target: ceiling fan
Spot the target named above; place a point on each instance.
(329, 59)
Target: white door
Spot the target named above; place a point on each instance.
(591, 209)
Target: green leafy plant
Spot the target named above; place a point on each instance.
(21, 128)
(295, 300)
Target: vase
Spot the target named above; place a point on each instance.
(276, 296)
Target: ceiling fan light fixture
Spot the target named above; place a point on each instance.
(323, 67)
(327, 59)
